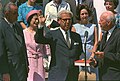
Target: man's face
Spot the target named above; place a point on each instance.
(65, 21)
(103, 23)
(13, 14)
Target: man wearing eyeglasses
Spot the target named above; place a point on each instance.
(66, 47)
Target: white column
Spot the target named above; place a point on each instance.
(100, 8)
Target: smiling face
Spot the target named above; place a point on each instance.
(34, 21)
(84, 15)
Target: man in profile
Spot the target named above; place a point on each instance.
(109, 49)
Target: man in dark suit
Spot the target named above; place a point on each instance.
(109, 52)
(13, 57)
(65, 49)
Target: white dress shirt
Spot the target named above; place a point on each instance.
(110, 32)
(63, 32)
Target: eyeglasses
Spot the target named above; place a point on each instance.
(69, 19)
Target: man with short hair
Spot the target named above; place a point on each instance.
(109, 51)
(13, 57)
(66, 47)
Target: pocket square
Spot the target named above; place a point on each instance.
(76, 43)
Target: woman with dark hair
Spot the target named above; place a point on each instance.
(83, 14)
(24, 9)
(35, 51)
(111, 5)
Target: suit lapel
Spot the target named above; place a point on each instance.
(62, 37)
(111, 37)
(10, 29)
(72, 41)
(17, 35)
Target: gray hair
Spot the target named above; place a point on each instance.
(7, 7)
(110, 16)
(64, 12)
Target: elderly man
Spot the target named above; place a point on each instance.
(66, 47)
(13, 57)
(109, 51)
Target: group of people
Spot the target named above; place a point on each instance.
(27, 38)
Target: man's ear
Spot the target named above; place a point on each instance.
(58, 20)
(7, 13)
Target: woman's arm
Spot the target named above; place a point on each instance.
(95, 42)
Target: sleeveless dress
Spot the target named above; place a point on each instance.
(80, 29)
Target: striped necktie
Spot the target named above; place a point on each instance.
(67, 39)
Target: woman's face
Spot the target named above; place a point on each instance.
(109, 6)
(34, 21)
(84, 15)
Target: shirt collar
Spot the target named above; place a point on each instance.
(63, 32)
(111, 30)
(8, 22)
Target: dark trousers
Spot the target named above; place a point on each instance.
(72, 76)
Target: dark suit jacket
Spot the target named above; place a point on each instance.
(110, 64)
(13, 56)
(63, 57)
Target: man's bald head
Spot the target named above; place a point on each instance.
(107, 20)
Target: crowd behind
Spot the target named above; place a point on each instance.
(38, 39)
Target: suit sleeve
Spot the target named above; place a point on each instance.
(40, 38)
(3, 54)
(113, 56)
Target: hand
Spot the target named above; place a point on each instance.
(99, 54)
(93, 62)
(6, 77)
(41, 19)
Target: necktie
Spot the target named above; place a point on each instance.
(67, 39)
(104, 38)
(14, 29)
